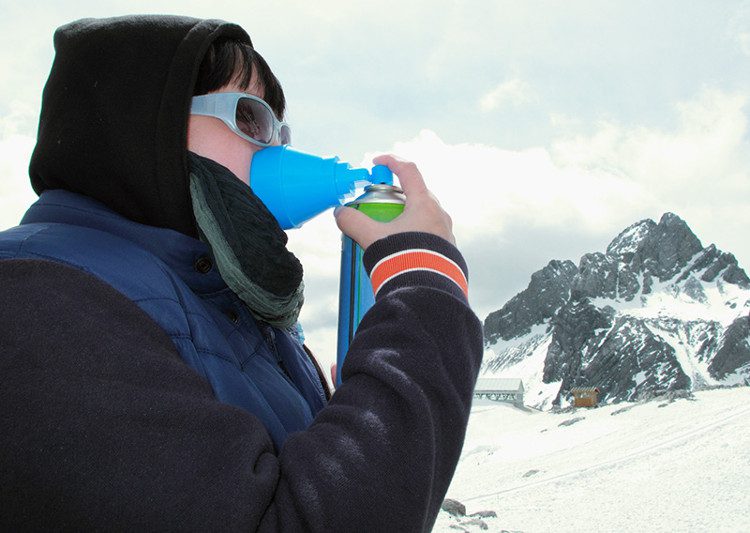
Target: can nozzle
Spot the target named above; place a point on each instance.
(381, 175)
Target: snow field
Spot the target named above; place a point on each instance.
(656, 466)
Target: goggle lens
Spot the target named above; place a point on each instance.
(254, 120)
(285, 135)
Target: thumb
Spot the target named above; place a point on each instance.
(356, 225)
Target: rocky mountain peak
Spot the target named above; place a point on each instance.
(608, 322)
(666, 249)
(673, 228)
(627, 243)
(714, 263)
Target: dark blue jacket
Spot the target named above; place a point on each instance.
(251, 365)
(104, 426)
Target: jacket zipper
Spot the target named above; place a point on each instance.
(270, 337)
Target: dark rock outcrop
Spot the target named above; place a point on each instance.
(693, 289)
(631, 360)
(734, 352)
(666, 248)
(454, 507)
(548, 290)
(572, 328)
(604, 276)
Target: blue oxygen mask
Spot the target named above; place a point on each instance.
(296, 186)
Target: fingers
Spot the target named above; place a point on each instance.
(356, 225)
(408, 174)
(422, 212)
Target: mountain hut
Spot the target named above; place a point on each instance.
(585, 396)
(500, 389)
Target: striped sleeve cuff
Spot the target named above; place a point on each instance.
(416, 259)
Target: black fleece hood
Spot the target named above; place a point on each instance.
(113, 124)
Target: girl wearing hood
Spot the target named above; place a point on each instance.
(152, 378)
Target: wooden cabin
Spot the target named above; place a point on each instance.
(585, 396)
(501, 390)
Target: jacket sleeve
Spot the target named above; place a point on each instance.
(104, 426)
(381, 455)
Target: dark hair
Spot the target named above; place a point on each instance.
(227, 60)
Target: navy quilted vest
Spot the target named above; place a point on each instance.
(171, 277)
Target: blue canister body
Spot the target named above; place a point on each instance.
(355, 298)
(382, 203)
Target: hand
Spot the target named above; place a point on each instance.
(422, 211)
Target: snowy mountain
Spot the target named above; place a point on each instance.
(656, 312)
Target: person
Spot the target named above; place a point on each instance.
(152, 377)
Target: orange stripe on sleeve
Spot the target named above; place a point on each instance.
(412, 260)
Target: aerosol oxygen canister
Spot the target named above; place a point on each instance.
(381, 202)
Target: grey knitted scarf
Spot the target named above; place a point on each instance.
(248, 244)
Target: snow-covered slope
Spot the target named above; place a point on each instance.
(682, 465)
(656, 312)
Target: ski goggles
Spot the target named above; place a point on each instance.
(248, 116)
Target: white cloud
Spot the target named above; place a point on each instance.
(20, 119)
(707, 142)
(739, 29)
(487, 189)
(595, 182)
(512, 92)
(701, 169)
(15, 190)
(743, 40)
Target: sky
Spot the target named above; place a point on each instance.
(544, 128)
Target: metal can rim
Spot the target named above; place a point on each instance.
(380, 193)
